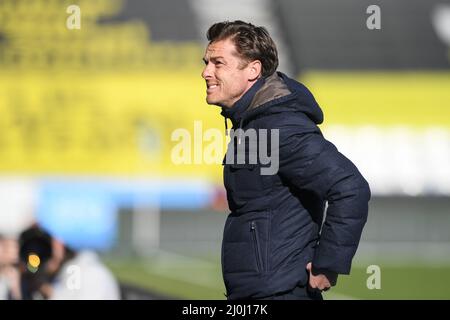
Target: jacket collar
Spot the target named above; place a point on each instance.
(236, 112)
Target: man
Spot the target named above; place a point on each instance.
(61, 273)
(274, 244)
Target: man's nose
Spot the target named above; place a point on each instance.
(206, 72)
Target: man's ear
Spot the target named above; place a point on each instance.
(254, 68)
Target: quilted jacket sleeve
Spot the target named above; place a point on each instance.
(309, 162)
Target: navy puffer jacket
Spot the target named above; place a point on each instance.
(275, 225)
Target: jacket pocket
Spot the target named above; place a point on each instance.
(246, 242)
(256, 246)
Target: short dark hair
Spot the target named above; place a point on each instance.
(252, 43)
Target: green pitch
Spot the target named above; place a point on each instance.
(189, 278)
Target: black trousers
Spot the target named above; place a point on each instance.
(299, 293)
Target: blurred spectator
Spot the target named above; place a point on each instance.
(53, 270)
(9, 273)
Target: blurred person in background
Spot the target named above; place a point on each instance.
(9, 273)
(52, 270)
(275, 243)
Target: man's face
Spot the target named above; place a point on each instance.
(9, 252)
(227, 75)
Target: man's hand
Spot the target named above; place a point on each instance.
(46, 290)
(321, 280)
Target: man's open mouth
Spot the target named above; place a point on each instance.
(211, 87)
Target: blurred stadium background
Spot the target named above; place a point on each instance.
(86, 118)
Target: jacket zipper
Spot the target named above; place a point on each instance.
(256, 245)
